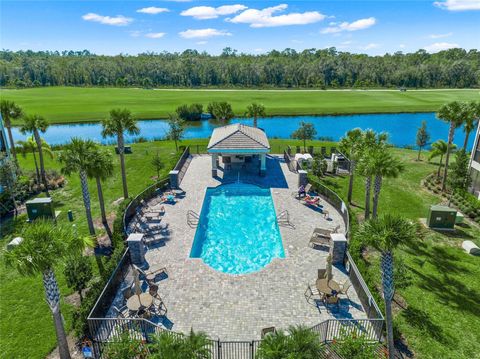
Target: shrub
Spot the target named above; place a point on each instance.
(190, 113)
(354, 345)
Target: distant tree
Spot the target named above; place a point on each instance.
(157, 164)
(35, 124)
(10, 111)
(9, 174)
(78, 272)
(119, 122)
(176, 129)
(422, 138)
(440, 148)
(471, 120)
(305, 132)
(459, 178)
(453, 113)
(191, 112)
(221, 110)
(29, 145)
(351, 145)
(255, 110)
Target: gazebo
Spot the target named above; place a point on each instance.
(238, 144)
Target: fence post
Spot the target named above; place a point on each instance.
(326, 332)
(219, 351)
(252, 346)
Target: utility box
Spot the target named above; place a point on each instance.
(441, 217)
(40, 208)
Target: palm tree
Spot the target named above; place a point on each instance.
(371, 142)
(351, 146)
(29, 145)
(176, 128)
(255, 110)
(384, 165)
(35, 124)
(44, 246)
(79, 156)
(471, 120)
(385, 234)
(101, 168)
(439, 148)
(10, 111)
(192, 346)
(120, 121)
(453, 113)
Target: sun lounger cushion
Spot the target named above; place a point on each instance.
(471, 248)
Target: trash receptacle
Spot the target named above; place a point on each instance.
(70, 215)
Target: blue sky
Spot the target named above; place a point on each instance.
(112, 27)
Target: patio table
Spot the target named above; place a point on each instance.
(135, 302)
(325, 286)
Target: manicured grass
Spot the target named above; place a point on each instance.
(70, 104)
(441, 318)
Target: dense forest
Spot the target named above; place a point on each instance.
(311, 68)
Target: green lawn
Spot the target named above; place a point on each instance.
(70, 104)
(442, 315)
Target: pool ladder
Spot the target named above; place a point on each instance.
(192, 218)
(283, 219)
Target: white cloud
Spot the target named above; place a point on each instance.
(208, 12)
(370, 46)
(439, 46)
(350, 26)
(152, 10)
(266, 18)
(202, 42)
(458, 5)
(402, 46)
(155, 35)
(135, 33)
(118, 20)
(203, 33)
(440, 36)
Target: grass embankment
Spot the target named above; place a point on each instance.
(25, 316)
(441, 316)
(75, 104)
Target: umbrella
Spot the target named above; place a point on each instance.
(329, 267)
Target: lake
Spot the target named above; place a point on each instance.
(402, 128)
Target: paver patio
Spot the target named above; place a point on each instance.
(237, 307)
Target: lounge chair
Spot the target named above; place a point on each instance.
(319, 240)
(312, 201)
(326, 232)
(268, 331)
(151, 274)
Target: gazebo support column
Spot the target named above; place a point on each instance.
(214, 164)
(263, 164)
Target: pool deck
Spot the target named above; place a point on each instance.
(237, 307)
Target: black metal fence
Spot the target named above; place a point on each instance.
(182, 164)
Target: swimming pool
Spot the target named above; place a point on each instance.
(238, 230)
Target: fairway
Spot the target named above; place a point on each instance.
(75, 104)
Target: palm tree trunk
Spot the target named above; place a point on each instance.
(350, 183)
(368, 184)
(42, 165)
(12, 143)
(388, 292)
(465, 142)
(36, 166)
(86, 201)
(440, 165)
(451, 133)
(377, 186)
(121, 152)
(100, 199)
(52, 295)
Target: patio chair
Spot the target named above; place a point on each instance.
(331, 299)
(122, 312)
(158, 305)
(268, 331)
(344, 287)
(319, 240)
(322, 273)
(151, 273)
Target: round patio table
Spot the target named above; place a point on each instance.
(135, 302)
(326, 287)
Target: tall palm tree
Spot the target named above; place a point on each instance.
(384, 165)
(351, 145)
(30, 146)
(101, 168)
(255, 110)
(35, 124)
(471, 120)
(119, 122)
(78, 157)
(10, 111)
(453, 113)
(439, 148)
(44, 246)
(385, 234)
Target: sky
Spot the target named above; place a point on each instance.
(132, 27)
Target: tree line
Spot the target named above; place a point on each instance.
(310, 68)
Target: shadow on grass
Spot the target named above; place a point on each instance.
(421, 320)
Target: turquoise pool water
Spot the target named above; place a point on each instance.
(238, 231)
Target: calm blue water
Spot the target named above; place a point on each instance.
(238, 231)
(402, 128)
